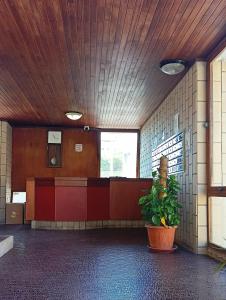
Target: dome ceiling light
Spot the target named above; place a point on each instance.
(172, 66)
(73, 115)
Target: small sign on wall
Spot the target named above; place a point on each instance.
(78, 147)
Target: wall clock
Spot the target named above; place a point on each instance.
(54, 153)
(54, 156)
(54, 137)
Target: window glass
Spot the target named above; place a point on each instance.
(217, 232)
(118, 154)
(218, 120)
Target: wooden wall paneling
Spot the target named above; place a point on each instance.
(80, 164)
(29, 158)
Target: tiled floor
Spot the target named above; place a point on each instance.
(102, 264)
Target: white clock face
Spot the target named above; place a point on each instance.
(54, 137)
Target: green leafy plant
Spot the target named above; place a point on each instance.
(161, 211)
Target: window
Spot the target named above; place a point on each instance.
(19, 197)
(217, 151)
(118, 154)
(217, 233)
(218, 120)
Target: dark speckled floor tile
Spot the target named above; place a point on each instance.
(111, 264)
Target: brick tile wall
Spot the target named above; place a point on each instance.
(188, 99)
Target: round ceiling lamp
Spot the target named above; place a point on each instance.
(172, 66)
(73, 115)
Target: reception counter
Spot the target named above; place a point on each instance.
(75, 199)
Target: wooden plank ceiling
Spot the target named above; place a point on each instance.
(99, 57)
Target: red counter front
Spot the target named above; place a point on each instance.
(124, 195)
(84, 199)
(45, 199)
(70, 199)
(71, 203)
(98, 199)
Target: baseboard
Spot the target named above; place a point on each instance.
(85, 225)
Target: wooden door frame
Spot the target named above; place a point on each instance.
(216, 191)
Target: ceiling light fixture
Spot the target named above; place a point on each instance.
(73, 115)
(172, 66)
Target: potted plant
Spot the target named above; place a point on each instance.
(160, 209)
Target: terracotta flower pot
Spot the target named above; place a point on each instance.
(161, 238)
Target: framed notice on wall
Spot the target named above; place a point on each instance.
(173, 148)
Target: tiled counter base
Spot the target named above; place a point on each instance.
(60, 225)
(6, 244)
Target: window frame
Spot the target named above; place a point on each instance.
(137, 131)
(212, 191)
